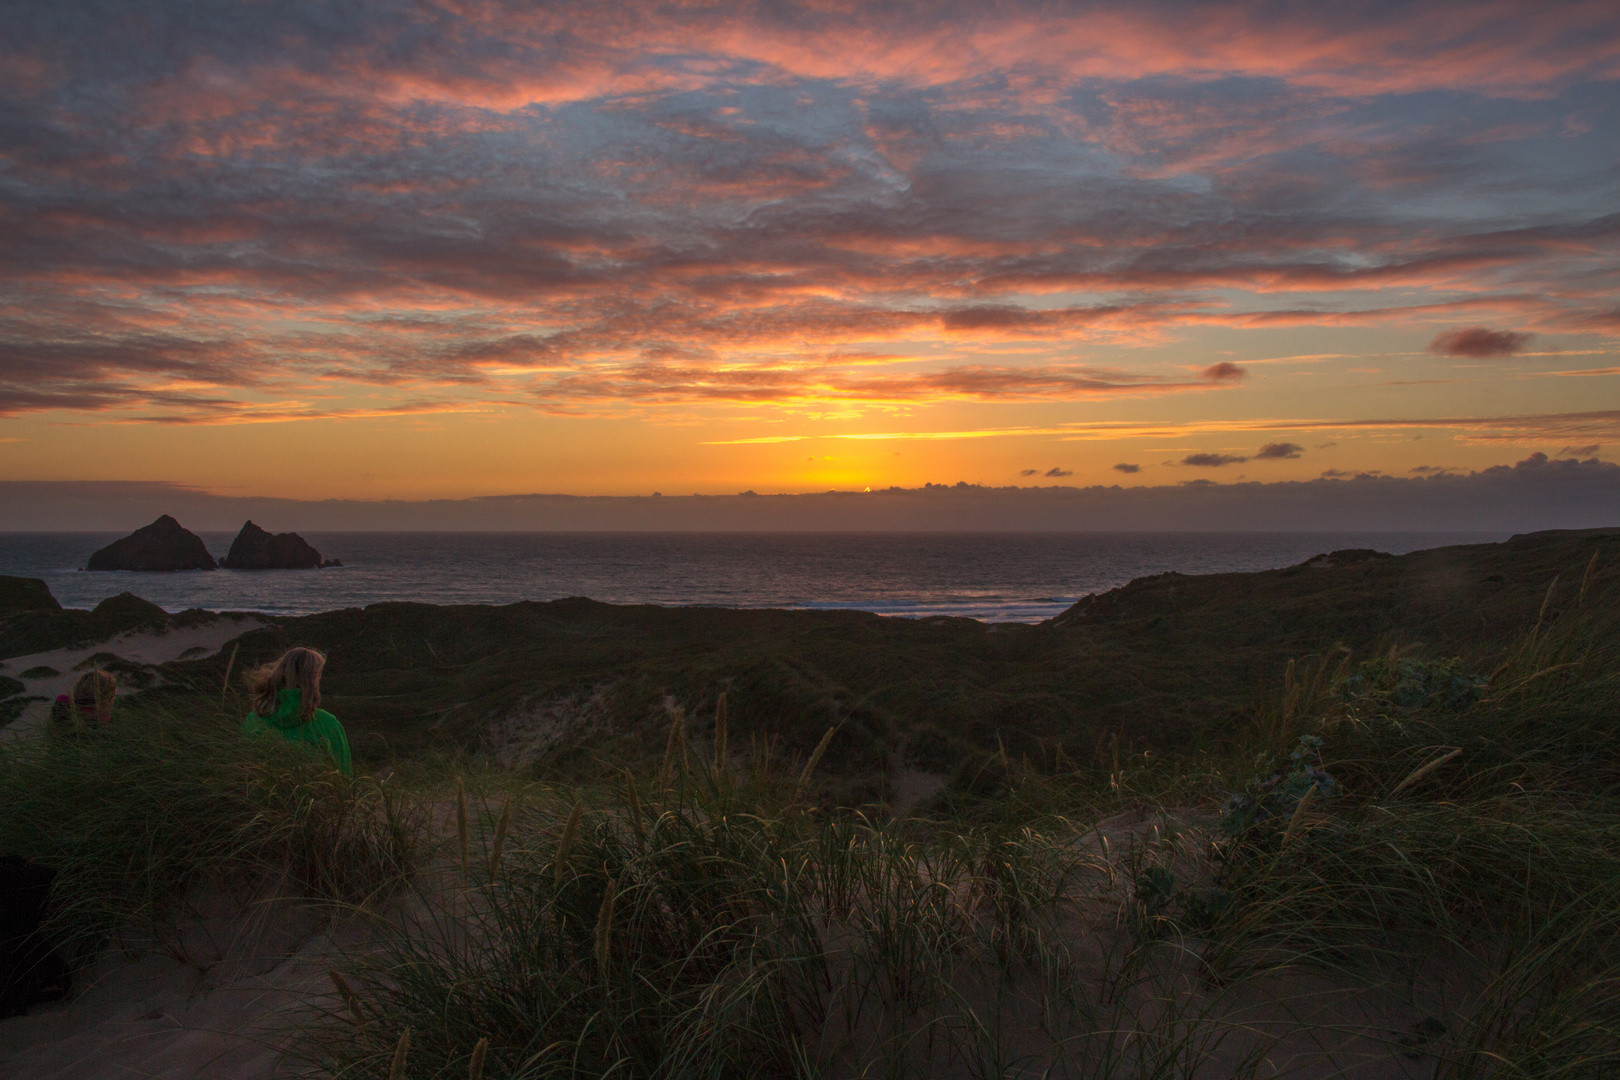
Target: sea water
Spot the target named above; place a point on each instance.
(1021, 577)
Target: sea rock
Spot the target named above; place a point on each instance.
(256, 549)
(163, 545)
(26, 594)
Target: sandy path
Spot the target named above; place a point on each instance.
(136, 646)
(218, 1004)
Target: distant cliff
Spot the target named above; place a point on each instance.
(163, 545)
(256, 549)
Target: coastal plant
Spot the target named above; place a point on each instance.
(1406, 683)
(1477, 834)
(1273, 794)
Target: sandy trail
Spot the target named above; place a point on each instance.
(136, 646)
(217, 1004)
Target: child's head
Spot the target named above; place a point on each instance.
(298, 669)
(93, 695)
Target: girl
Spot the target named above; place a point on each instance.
(90, 704)
(286, 700)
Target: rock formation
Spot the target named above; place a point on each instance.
(256, 549)
(162, 545)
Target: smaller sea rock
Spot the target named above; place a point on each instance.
(256, 549)
(163, 545)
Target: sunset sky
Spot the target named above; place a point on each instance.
(436, 250)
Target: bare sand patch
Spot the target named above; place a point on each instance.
(216, 1003)
(144, 647)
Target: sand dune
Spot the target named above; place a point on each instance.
(144, 647)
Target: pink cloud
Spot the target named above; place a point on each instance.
(715, 203)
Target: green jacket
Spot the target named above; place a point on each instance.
(321, 730)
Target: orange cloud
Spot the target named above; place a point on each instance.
(574, 206)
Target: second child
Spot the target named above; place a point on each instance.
(286, 701)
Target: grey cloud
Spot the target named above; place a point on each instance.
(1212, 461)
(1058, 471)
(1581, 451)
(1028, 472)
(1127, 467)
(1279, 450)
(1535, 493)
(1479, 342)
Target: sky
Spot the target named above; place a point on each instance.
(429, 251)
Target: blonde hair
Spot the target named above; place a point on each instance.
(298, 669)
(94, 692)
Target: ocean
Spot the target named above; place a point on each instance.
(1010, 577)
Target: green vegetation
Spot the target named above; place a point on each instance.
(1173, 664)
(1424, 866)
(1383, 851)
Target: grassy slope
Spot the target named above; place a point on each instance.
(1166, 662)
(1172, 660)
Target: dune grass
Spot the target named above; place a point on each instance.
(141, 818)
(1405, 861)
(1419, 864)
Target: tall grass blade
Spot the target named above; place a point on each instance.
(604, 933)
(475, 1067)
(1424, 770)
(566, 842)
(815, 759)
(674, 747)
(225, 685)
(461, 829)
(501, 826)
(635, 810)
(350, 999)
(396, 1065)
(1298, 817)
(719, 740)
(1546, 602)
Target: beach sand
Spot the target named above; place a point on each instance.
(218, 1003)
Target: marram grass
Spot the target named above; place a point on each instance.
(159, 809)
(1440, 895)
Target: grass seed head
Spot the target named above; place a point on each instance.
(396, 1065)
